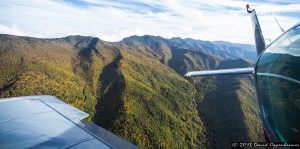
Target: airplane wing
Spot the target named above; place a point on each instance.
(47, 122)
(249, 70)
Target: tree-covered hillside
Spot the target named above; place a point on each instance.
(135, 87)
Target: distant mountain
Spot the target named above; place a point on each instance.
(245, 51)
(222, 49)
(135, 87)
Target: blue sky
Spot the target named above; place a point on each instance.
(113, 20)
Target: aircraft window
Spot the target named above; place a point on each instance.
(278, 84)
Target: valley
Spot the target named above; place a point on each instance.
(135, 89)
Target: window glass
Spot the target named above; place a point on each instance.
(278, 86)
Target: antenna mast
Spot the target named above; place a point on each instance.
(279, 25)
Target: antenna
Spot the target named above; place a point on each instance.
(279, 25)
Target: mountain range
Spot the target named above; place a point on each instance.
(135, 89)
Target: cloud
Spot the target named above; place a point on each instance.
(114, 20)
(14, 30)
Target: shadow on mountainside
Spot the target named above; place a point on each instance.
(109, 103)
(222, 115)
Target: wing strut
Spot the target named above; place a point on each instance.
(234, 71)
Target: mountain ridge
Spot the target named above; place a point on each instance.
(242, 49)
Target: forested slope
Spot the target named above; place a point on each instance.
(135, 87)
